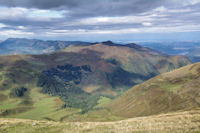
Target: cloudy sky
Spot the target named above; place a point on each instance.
(96, 20)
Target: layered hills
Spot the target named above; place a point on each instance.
(77, 79)
(189, 49)
(33, 46)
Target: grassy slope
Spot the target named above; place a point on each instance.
(172, 91)
(179, 122)
(42, 106)
(47, 107)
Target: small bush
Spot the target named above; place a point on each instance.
(18, 92)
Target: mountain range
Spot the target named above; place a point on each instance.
(190, 49)
(81, 79)
(33, 46)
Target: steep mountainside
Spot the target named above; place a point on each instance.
(172, 91)
(79, 77)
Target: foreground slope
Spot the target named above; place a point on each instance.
(78, 78)
(179, 122)
(172, 91)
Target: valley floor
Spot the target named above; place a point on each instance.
(178, 122)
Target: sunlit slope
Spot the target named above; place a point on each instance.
(172, 91)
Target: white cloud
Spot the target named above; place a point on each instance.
(17, 12)
(15, 33)
(21, 27)
(147, 24)
(179, 10)
(12, 12)
(45, 13)
(160, 9)
(2, 25)
(114, 20)
(190, 2)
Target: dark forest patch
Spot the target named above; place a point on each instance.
(62, 80)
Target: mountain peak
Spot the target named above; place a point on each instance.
(110, 43)
(133, 45)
